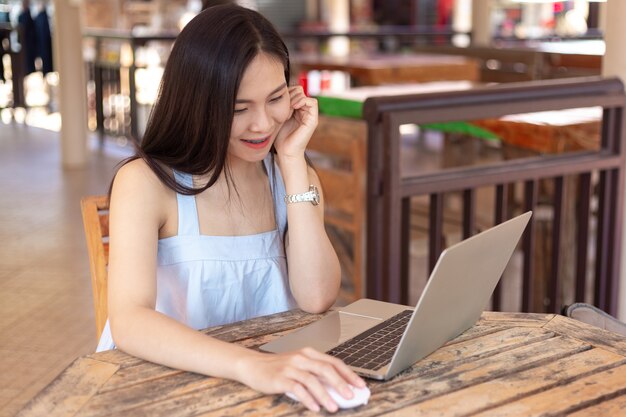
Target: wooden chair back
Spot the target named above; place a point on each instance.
(338, 150)
(95, 210)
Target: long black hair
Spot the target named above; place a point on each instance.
(189, 126)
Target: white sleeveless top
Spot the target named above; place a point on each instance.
(205, 281)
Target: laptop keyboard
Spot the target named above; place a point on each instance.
(375, 347)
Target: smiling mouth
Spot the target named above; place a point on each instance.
(255, 141)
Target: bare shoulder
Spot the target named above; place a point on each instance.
(137, 177)
(137, 187)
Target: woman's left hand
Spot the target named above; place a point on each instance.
(294, 136)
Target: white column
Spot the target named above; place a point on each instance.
(614, 64)
(68, 60)
(531, 16)
(338, 22)
(481, 22)
(462, 21)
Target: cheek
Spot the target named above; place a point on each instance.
(283, 112)
(237, 127)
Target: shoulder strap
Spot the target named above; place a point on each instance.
(187, 212)
(277, 186)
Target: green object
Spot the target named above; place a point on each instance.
(465, 128)
(334, 106)
(342, 107)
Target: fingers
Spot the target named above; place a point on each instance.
(302, 121)
(347, 373)
(313, 389)
(304, 397)
(326, 370)
(306, 375)
(296, 90)
(299, 99)
(337, 374)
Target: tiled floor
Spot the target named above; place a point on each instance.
(46, 317)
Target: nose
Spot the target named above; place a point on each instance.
(262, 121)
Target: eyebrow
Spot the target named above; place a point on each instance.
(274, 91)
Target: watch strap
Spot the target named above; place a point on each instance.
(310, 196)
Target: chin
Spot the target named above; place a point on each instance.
(249, 157)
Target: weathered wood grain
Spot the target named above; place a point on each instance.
(491, 322)
(217, 395)
(116, 357)
(613, 407)
(484, 345)
(268, 406)
(476, 331)
(120, 401)
(513, 384)
(515, 319)
(262, 325)
(570, 397)
(508, 364)
(140, 373)
(396, 394)
(173, 392)
(71, 390)
(590, 334)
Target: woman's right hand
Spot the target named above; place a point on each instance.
(293, 137)
(302, 373)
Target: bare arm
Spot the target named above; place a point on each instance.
(314, 272)
(138, 211)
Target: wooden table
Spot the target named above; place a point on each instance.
(508, 364)
(555, 131)
(378, 69)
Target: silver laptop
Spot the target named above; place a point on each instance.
(378, 339)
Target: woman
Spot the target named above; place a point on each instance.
(198, 218)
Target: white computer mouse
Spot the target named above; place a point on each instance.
(361, 396)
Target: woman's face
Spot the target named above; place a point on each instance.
(261, 108)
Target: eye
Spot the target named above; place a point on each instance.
(239, 111)
(275, 99)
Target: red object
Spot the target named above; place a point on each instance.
(444, 12)
(303, 80)
(325, 83)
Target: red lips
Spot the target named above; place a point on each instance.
(256, 143)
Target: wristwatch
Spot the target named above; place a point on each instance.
(313, 195)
